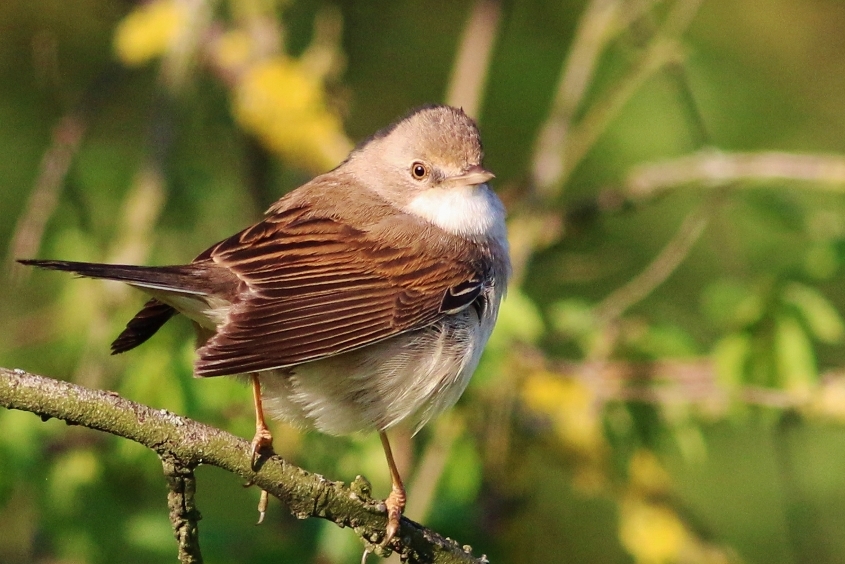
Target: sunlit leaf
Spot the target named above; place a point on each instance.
(822, 318)
(796, 362)
(652, 533)
(730, 357)
(729, 303)
(519, 320)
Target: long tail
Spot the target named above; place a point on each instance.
(181, 279)
(175, 279)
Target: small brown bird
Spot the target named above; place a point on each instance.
(363, 298)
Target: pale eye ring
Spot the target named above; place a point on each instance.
(419, 170)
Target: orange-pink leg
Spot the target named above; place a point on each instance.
(262, 441)
(395, 502)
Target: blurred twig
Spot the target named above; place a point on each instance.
(715, 169)
(469, 73)
(55, 163)
(563, 144)
(596, 25)
(693, 226)
(447, 429)
(563, 141)
(657, 271)
(693, 381)
(192, 443)
(183, 53)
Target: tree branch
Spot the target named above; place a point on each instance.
(184, 444)
(184, 515)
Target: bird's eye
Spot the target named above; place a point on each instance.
(419, 170)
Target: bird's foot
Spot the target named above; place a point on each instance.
(395, 504)
(262, 442)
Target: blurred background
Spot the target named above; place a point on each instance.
(667, 379)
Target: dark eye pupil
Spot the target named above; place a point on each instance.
(419, 171)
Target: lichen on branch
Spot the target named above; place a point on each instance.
(184, 444)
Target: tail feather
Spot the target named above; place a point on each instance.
(159, 280)
(184, 289)
(177, 279)
(143, 326)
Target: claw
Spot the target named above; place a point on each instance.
(263, 501)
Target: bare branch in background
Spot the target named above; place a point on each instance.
(447, 428)
(614, 305)
(183, 54)
(713, 169)
(692, 381)
(469, 73)
(562, 144)
(42, 202)
(596, 26)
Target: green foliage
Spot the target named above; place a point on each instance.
(664, 383)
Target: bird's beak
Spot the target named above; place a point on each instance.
(474, 175)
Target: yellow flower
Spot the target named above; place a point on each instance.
(829, 400)
(651, 533)
(570, 406)
(646, 474)
(148, 31)
(285, 107)
(233, 50)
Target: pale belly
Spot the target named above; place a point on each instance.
(413, 377)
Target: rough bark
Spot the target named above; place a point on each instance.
(184, 444)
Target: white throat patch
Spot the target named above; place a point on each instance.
(469, 210)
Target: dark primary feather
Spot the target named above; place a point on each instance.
(144, 325)
(460, 296)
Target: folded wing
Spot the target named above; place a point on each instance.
(317, 287)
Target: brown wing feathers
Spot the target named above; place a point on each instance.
(317, 288)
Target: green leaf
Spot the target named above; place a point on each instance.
(730, 357)
(729, 303)
(573, 317)
(821, 261)
(667, 341)
(576, 319)
(519, 320)
(823, 319)
(796, 362)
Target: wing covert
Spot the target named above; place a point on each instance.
(315, 287)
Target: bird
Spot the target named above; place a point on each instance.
(361, 300)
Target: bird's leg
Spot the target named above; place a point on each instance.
(262, 441)
(395, 502)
